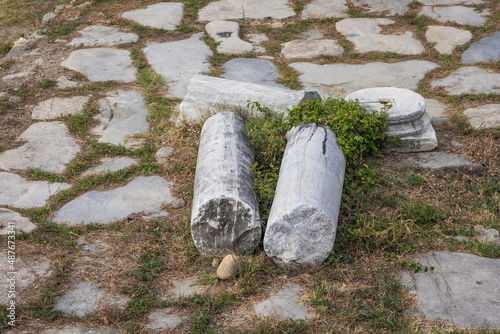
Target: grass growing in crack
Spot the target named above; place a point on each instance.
(62, 30)
(47, 83)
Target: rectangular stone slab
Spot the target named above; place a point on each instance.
(209, 94)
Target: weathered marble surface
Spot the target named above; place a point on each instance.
(207, 95)
(302, 222)
(224, 215)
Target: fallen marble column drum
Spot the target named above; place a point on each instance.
(224, 216)
(303, 218)
(209, 94)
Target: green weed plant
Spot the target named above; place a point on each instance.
(361, 134)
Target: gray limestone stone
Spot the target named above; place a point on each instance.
(186, 287)
(321, 9)
(163, 153)
(17, 192)
(462, 289)
(13, 221)
(169, 60)
(470, 80)
(489, 235)
(164, 318)
(110, 165)
(484, 117)
(142, 194)
(209, 94)
(224, 214)
(457, 14)
(450, 2)
(311, 48)
(102, 36)
(257, 38)
(446, 38)
(102, 64)
(284, 305)
(386, 7)
(436, 110)
(312, 34)
(487, 49)
(422, 142)
(246, 9)
(258, 71)
(47, 17)
(122, 114)
(228, 35)
(303, 219)
(48, 147)
(366, 36)
(165, 16)
(446, 161)
(27, 272)
(341, 79)
(63, 82)
(59, 107)
(85, 298)
(20, 75)
(80, 330)
(92, 246)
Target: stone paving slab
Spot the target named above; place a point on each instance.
(102, 36)
(186, 287)
(451, 2)
(48, 147)
(122, 114)
(258, 71)
(445, 161)
(322, 9)
(27, 272)
(80, 330)
(59, 107)
(20, 223)
(458, 14)
(85, 298)
(142, 194)
(227, 34)
(19, 193)
(462, 289)
(110, 165)
(102, 64)
(484, 117)
(164, 318)
(169, 60)
(386, 7)
(246, 9)
(447, 38)
(470, 80)
(165, 16)
(342, 79)
(487, 49)
(311, 48)
(436, 110)
(284, 305)
(366, 36)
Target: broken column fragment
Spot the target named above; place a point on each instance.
(407, 119)
(224, 216)
(303, 218)
(209, 94)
